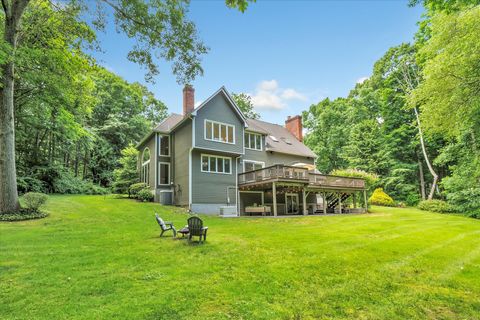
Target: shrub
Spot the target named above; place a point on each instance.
(380, 198)
(30, 184)
(135, 188)
(34, 200)
(145, 195)
(22, 214)
(439, 206)
(412, 199)
(474, 214)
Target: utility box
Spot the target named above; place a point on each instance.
(166, 197)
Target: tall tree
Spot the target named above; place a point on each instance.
(159, 27)
(244, 102)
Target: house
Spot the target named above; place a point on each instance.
(213, 160)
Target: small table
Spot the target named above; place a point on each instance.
(184, 231)
(264, 210)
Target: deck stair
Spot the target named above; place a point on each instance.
(332, 199)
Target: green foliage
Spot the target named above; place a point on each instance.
(244, 102)
(135, 188)
(439, 206)
(145, 195)
(370, 178)
(327, 132)
(34, 200)
(29, 184)
(127, 174)
(380, 198)
(22, 214)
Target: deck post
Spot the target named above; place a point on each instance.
(304, 197)
(354, 195)
(365, 199)
(274, 198)
(340, 202)
(324, 195)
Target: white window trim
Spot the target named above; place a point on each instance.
(220, 123)
(215, 156)
(253, 161)
(160, 171)
(253, 134)
(160, 145)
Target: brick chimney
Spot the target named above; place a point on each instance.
(188, 99)
(294, 125)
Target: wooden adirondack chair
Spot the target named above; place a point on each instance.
(165, 226)
(196, 228)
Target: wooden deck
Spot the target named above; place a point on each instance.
(301, 176)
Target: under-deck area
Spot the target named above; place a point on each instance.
(285, 190)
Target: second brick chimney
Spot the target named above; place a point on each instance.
(294, 125)
(188, 99)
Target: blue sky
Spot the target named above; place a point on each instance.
(286, 54)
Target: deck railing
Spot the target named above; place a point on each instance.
(335, 181)
(282, 172)
(274, 172)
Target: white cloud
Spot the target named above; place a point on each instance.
(362, 79)
(268, 95)
(293, 94)
(268, 85)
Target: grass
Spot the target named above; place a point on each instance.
(98, 257)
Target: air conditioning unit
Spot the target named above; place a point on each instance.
(228, 211)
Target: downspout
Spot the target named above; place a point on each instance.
(190, 166)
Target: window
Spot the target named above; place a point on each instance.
(216, 164)
(250, 165)
(253, 141)
(221, 132)
(164, 146)
(145, 173)
(163, 173)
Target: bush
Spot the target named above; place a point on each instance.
(474, 214)
(135, 188)
(22, 214)
(412, 199)
(439, 206)
(145, 195)
(380, 198)
(34, 200)
(30, 184)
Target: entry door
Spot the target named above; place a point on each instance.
(291, 202)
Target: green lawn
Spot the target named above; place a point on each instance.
(99, 257)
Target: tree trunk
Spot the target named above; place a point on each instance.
(425, 155)
(8, 175)
(422, 178)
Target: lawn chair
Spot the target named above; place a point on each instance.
(196, 228)
(165, 226)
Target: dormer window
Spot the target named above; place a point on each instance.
(219, 132)
(253, 141)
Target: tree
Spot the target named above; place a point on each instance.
(127, 174)
(159, 27)
(328, 132)
(449, 97)
(244, 102)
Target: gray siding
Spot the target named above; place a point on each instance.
(218, 109)
(212, 187)
(181, 144)
(271, 158)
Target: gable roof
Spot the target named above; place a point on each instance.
(229, 98)
(279, 139)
